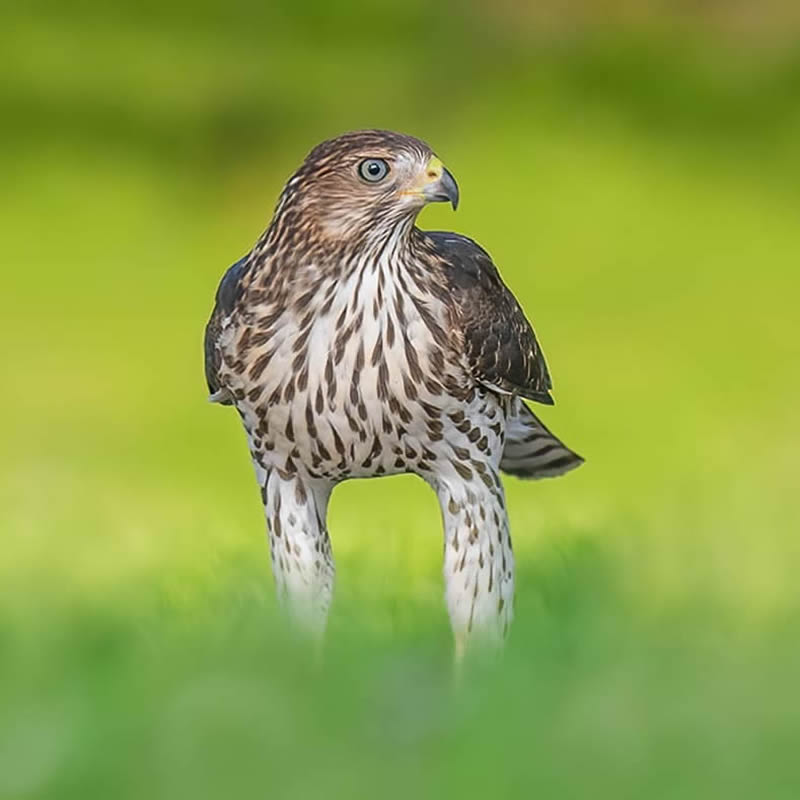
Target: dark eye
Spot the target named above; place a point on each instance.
(373, 169)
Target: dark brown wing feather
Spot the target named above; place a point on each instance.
(228, 292)
(500, 344)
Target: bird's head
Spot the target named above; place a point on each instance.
(369, 183)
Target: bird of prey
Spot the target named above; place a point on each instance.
(354, 344)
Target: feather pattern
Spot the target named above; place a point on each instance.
(352, 344)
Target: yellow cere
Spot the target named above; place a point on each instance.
(434, 170)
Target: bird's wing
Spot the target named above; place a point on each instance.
(499, 343)
(228, 292)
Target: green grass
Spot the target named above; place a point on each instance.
(654, 246)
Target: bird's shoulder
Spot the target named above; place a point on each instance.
(230, 287)
(469, 263)
(499, 342)
(228, 293)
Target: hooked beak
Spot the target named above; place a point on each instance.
(439, 186)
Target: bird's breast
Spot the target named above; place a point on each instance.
(348, 380)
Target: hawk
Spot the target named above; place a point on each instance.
(354, 344)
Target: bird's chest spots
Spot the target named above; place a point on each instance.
(354, 383)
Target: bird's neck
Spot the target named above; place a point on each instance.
(296, 239)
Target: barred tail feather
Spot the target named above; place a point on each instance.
(531, 451)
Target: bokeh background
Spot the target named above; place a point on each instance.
(633, 168)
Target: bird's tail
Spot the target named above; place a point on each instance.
(531, 451)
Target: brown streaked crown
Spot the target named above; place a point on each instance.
(363, 144)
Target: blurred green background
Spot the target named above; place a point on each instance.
(633, 169)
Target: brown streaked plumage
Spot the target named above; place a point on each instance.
(353, 344)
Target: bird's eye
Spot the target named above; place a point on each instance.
(373, 169)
